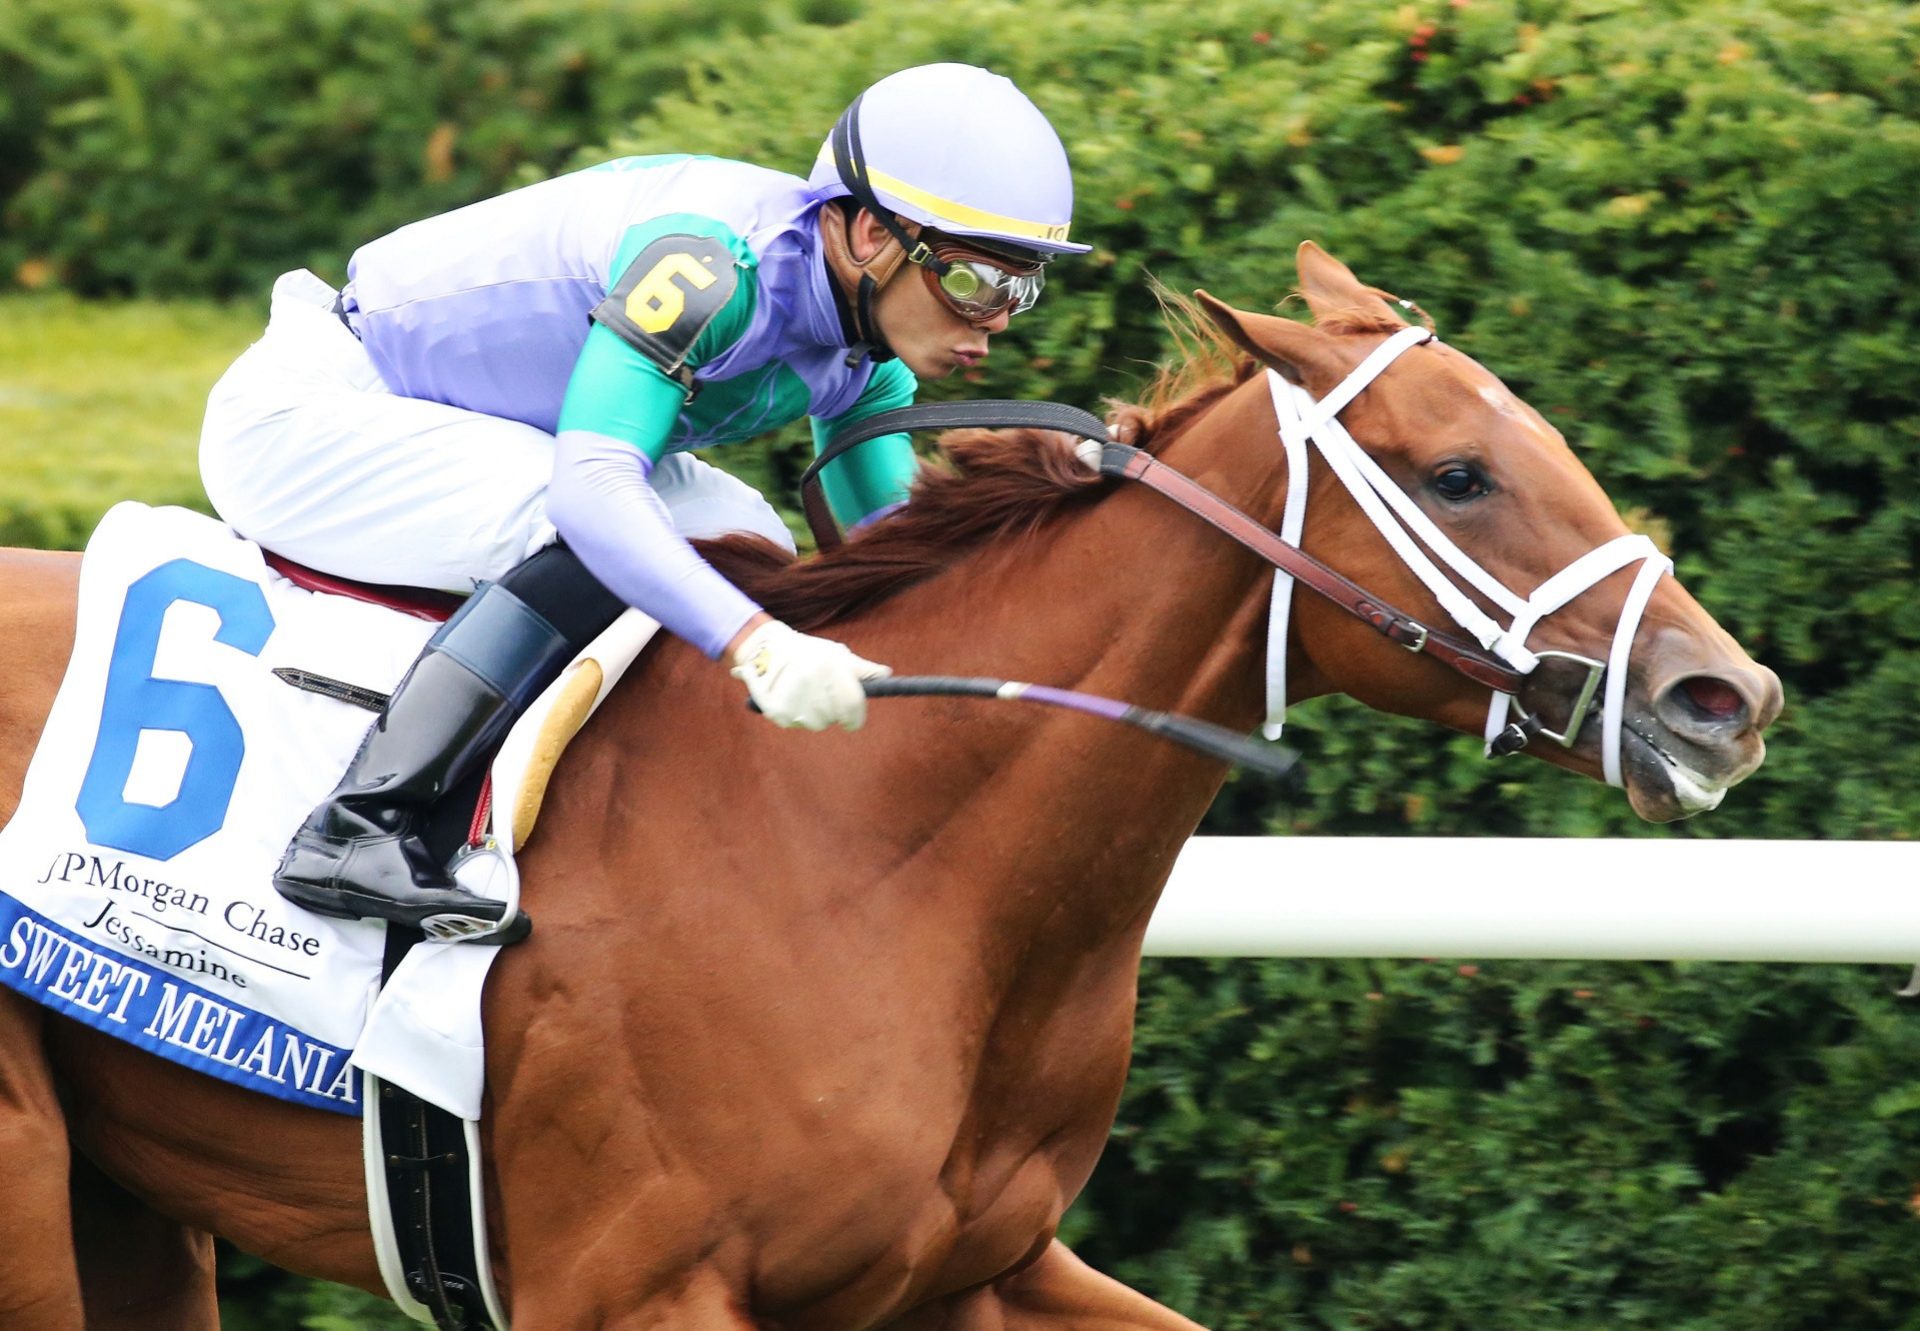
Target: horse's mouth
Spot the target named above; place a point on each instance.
(1661, 786)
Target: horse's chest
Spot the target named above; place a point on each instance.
(913, 1215)
(920, 1171)
(992, 1203)
(969, 1231)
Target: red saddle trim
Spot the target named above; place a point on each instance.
(420, 602)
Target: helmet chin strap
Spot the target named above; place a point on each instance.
(856, 294)
(851, 162)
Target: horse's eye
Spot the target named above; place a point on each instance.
(1457, 481)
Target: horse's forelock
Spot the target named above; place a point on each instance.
(1206, 367)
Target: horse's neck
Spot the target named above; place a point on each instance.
(1132, 599)
(969, 880)
(1018, 837)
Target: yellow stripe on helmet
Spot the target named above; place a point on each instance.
(960, 214)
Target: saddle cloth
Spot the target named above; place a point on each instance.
(135, 891)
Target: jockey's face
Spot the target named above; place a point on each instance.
(924, 331)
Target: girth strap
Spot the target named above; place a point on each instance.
(427, 1173)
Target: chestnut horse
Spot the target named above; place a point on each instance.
(827, 1031)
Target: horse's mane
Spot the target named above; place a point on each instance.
(988, 486)
(997, 485)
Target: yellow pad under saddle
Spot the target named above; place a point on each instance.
(580, 689)
(526, 761)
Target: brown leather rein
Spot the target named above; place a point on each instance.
(1124, 462)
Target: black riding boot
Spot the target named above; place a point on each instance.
(359, 854)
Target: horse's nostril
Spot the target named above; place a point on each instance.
(1711, 699)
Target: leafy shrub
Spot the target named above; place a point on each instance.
(204, 146)
(1513, 1146)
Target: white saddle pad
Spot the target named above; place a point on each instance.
(135, 891)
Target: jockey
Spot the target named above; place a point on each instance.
(502, 399)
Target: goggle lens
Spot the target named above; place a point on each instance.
(962, 283)
(980, 290)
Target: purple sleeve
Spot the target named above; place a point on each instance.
(603, 507)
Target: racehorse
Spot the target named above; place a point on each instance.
(827, 1031)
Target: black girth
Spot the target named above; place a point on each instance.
(424, 1150)
(424, 1147)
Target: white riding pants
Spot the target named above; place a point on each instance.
(306, 451)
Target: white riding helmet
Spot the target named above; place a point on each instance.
(956, 148)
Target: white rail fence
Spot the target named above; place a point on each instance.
(1646, 900)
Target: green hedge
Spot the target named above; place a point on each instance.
(1512, 1147)
(204, 146)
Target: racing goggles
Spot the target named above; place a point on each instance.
(976, 285)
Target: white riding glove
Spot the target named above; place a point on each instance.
(800, 680)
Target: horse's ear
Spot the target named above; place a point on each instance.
(1297, 351)
(1330, 285)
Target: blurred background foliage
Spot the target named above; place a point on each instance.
(1686, 230)
(188, 147)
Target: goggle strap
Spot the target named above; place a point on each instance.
(863, 321)
(851, 163)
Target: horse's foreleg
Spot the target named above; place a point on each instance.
(1057, 1293)
(1062, 1293)
(139, 1271)
(39, 1283)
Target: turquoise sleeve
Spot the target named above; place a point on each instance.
(876, 474)
(617, 392)
(619, 387)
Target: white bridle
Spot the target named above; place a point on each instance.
(1400, 520)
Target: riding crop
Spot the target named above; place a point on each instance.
(1269, 760)
(1201, 736)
